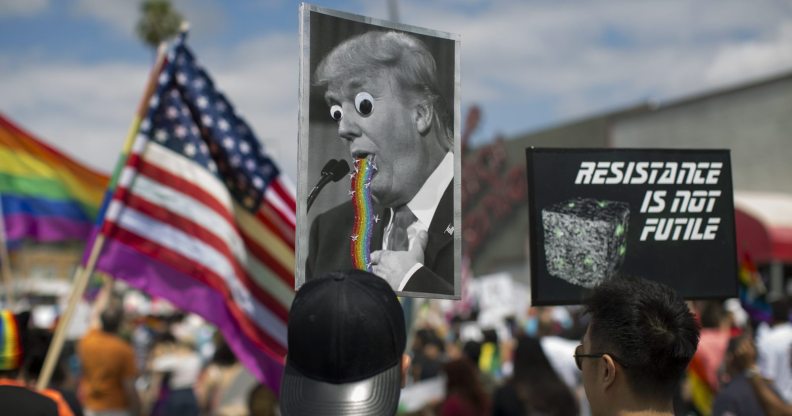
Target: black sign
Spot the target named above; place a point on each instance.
(664, 215)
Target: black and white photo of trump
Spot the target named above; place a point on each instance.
(381, 89)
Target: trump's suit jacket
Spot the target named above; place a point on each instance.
(329, 246)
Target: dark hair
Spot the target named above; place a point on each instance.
(538, 386)
(38, 346)
(164, 337)
(223, 355)
(462, 378)
(711, 313)
(472, 350)
(780, 310)
(648, 326)
(111, 320)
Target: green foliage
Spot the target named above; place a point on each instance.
(158, 22)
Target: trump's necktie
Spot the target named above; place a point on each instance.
(402, 219)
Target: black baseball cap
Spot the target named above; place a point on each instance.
(346, 340)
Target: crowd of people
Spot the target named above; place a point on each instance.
(722, 362)
(126, 365)
(634, 346)
(710, 358)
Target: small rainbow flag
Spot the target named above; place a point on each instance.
(752, 291)
(45, 196)
(701, 391)
(10, 344)
(360, 246)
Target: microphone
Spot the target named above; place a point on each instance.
(333, 170)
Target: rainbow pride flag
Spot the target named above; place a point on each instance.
(752, 291)
(10, 342)
(702, 392)
(45, 196)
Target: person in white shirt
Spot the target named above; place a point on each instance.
(775, 348)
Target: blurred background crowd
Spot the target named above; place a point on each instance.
(518, 364)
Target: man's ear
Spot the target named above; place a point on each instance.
(424, 113)
(607, 371)
(405, 365)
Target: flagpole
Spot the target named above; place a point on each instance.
(5, 262)
(82, 275)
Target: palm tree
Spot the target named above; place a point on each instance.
(158, 22)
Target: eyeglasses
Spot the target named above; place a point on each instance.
(578, 356)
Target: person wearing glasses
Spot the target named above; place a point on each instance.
(636, 348)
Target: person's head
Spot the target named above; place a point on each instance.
(112, 318)
(462, 378)
(382, 89)
(346, 338)
(538, 383)
(638, 344)
(779, 309)
(472, 351)
(712, 313)
(740, 354)
(262, 401)
(223, 355)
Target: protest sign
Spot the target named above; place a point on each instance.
(596, 214)
(386, 168)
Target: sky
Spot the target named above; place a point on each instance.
(73, 71)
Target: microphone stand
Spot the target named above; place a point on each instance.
(333, 170)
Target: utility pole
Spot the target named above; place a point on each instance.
(393, 10)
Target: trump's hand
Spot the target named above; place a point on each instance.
(394, 265)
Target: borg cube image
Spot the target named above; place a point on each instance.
(585, 240)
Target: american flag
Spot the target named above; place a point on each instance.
(202, 217)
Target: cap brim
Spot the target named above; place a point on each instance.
(378, 395)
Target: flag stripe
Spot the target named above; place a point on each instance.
(284, 195)
(43, 228)
(193, 226)
(268, 330)
(13, 137)
(180, 204)
(188, 294)
(195, 192)
(281, 289)
(40, 207)
(281, 207)
(278, 217)
(81, 186)
(181, 170)
(283, 257)
(272, 221)
(39, 187)
(284, 275)
(169, 237)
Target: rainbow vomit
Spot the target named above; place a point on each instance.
(360, 244)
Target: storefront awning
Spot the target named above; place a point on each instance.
(764, 226)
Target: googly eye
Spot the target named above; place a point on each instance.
(336, 112)
(364, 103)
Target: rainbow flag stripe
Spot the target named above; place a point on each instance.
(45, 195)
(11, 347)
(360, 246)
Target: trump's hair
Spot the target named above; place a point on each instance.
(401, 56)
